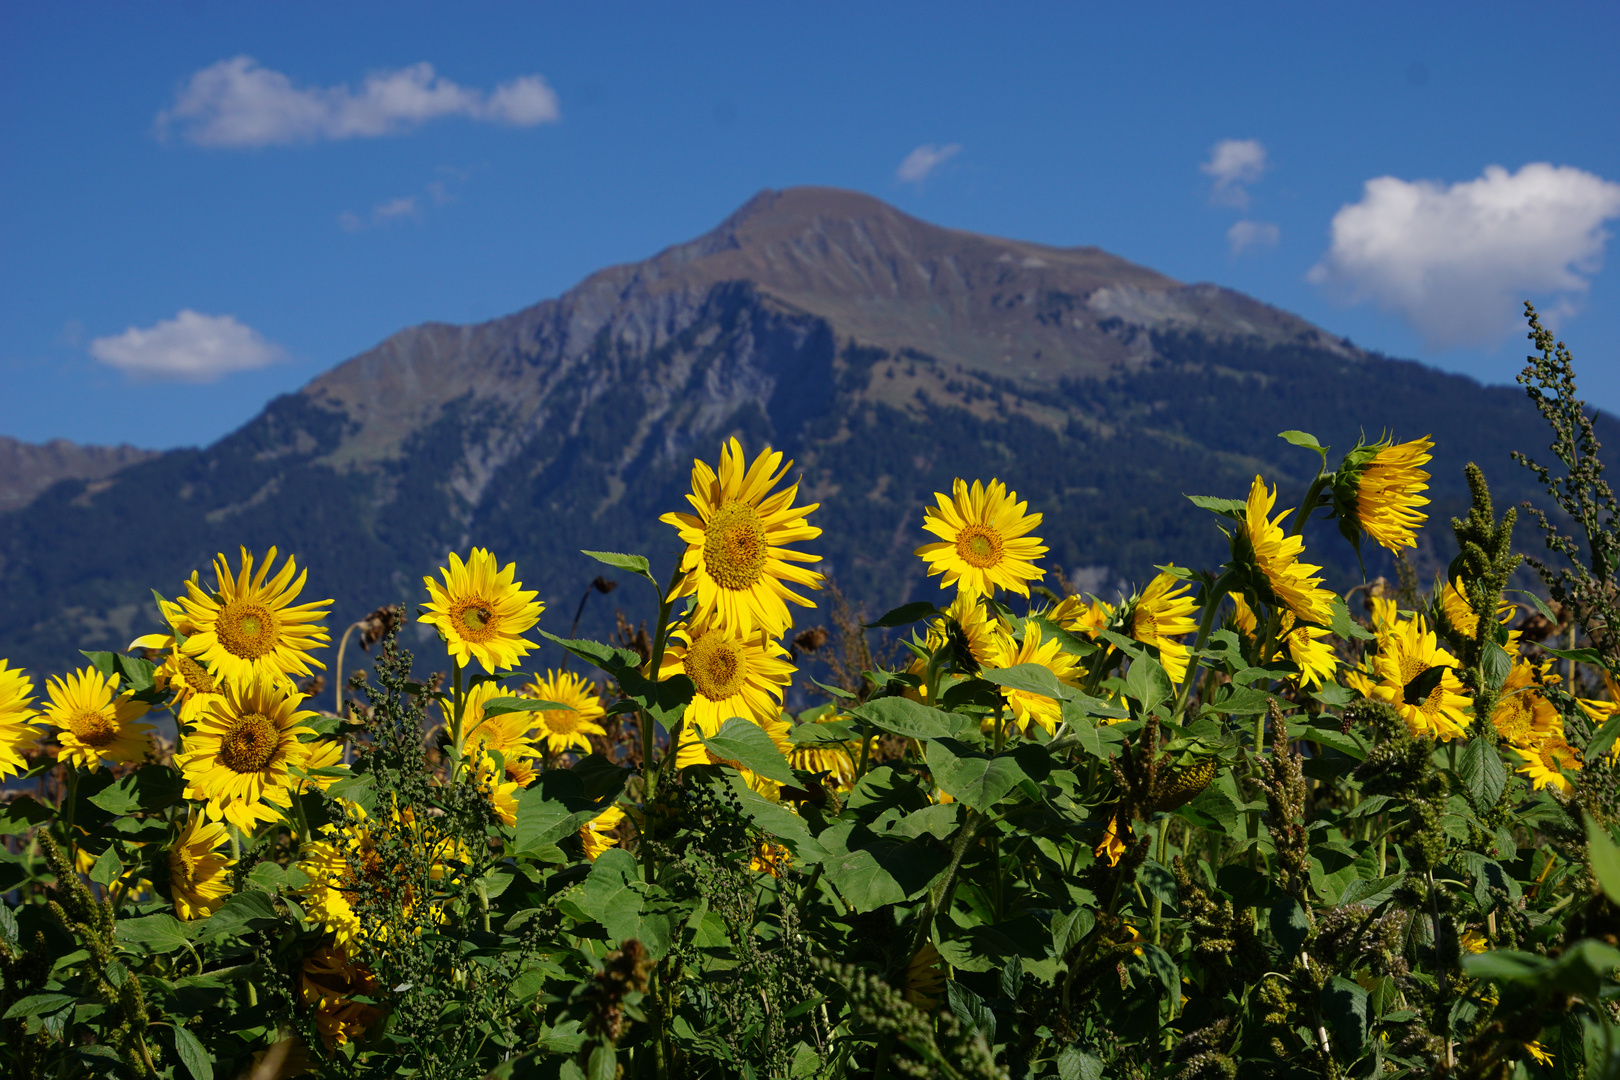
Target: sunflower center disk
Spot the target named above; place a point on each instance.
(716, 666)
(734, 546)
(561, 721)
(1514, 723)
(250, 744)
(248, 630)
(979, 546)
(195, 674)
(474, 618)
(92, 727)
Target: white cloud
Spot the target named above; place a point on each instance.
(1456, 261)
(1235, 163)
(924, 160)
(191, 347)
(1246, 234)
(237, 103)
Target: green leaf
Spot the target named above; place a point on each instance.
(976, 780)
(746, 743)
(910, 719)
(636, 564)
(1605, 859)
(971, 1010)
(1496, 665)
(146, 790)
(1370, 892)
(543, 820)
(904, 615)
(814, 733)
(1330, 737)
(39, 1005)
(870, 870)
(1290, 924)
(613, 661)
(1147, 683)
(1232, 508)
(1482, 772)
(665, 701)
(1158, 879)
(1165, 970)
(1580, 656)
(105, 870)
(1537, 602)
(1346, 627)
(1422, 685)
(501, 705)
(1241, 701)
(1030, 678)
(1075, 1064)
(1303, 439)
(836, 691)
(602, 1066)
(1603, 738)
(191, 1052)
(1344, 1007)
(251, 910)
(25, 812)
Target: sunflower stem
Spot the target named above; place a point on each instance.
(70, 802)
(1212, 601)
(456, 716)
(1161, 855)
(1308, 507)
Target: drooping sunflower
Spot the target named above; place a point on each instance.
(601, 832)
(504, 733)
(1276, 555)
(249, 628)
(18, 731)
(560, 730)
(199, 873)
(966, 630)
(1030, 708)
(1546, 762)
(736, 561)
(984, 542)
(481, 612)
(1460, 614)
(1380, 488)
(240, 755)
(1311, 652)
(1162, 614)
(735, 675)
(830, 759)
(1523, 716)
(1403, 657)
(925, 977)
(95, 723)
(329, 983)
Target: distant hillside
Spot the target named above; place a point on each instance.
(885, 354)
(26, 469)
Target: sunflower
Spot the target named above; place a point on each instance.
(601, 832)
(1030, 708)
(480, 611)
(1082, 616)
(18, 732)
(502, 790)
(770, 858)
(925, 977)
(1276, 555)
(984, 543)
(352, 883)
(736, 562)
(1523, 717)
(967, 630)
(240, 754)
(94, 724)
(1460, 614)
(1381, 486)
(1113, 845)
(1546, 762)
(830, 759)
(1162, 614)
(505, 733)
(249, 628)
(1310, 651)
(1600, 711)
(323, 754)
(735, 675)
(199, 874)
(561, 730)
(1405, 655)
(329, 983)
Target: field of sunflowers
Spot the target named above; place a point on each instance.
(1235, 824)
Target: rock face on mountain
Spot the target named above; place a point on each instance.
(26, 469)
(885, 354)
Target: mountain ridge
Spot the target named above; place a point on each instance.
(885, 354)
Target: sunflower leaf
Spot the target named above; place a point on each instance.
(904, 615)
(146, 790)
(1346, 627)
(974, 779)
(911, 719)
(1580, 656)
(501, 705)
(1030, 678)
(747, 744)
(1232, 508)
(1605, 859)
(1538, 603)
(613, 661)
(636, 564)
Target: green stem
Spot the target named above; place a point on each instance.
(456, 715)
(1161, 855)
(70, 802)
(1308, 507)
(1212, 602)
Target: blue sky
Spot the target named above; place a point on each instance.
(140, 217)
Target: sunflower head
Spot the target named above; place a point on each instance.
(240, 755)
(1029, 708)
(481, 612)
(1268, 558)
(732, 674)
(249, 627)
(568, 728)
(94, 722)
(329, 982)
(18, 731)
(504, 733)
(601, 832)
(1160, 616)
(737, 563)
(983, 540)
(199, 873)
(1377, 490)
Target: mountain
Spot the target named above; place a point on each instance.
(885, 354)
(26, 469)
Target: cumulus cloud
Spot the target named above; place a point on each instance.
(238, 103)
(1455, 262)
(190, 347)
(1234, 164)
(924, 160)
(1246, 234)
